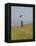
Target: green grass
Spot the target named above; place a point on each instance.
(18, 32)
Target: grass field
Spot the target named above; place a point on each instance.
(18, 32)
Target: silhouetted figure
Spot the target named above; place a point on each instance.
(21, 21)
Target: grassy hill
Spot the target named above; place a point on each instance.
(18, 32)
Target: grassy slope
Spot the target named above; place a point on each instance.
(18, 32)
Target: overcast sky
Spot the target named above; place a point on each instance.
(27, 13)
